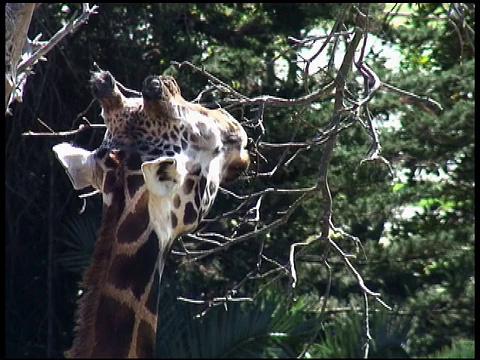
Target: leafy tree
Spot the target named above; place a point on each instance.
(411, 221)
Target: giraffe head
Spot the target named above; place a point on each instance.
(159, 140)
(158, 169)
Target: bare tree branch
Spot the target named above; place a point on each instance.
(429, 105)
(70, 27)
(196, 255)
(330, 144)
(276, 101)
(343, 117)
(21, 53)
(357, 275)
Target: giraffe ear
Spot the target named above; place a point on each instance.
(163, 175)
(78, 164)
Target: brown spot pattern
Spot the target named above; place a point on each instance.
(174, 220)
(134, 272)
(136, 222)
(134, 182)
(109, 182)
(190, 214)
(114, 325)
(195, 170)
(193, 138)
(173, 135)
(134, 161)
(128, 126)
(197, 199)
(176, 201)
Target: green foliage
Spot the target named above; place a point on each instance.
(460, 349)
(269, 327)
(416, 226)
(345, 336)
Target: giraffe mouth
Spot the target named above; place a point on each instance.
(235, 169)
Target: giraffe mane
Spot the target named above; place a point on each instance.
(95, 276)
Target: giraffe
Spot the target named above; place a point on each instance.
(158, 170)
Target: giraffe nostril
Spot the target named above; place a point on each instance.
(155, 83)
(152, 88)
(102, 84)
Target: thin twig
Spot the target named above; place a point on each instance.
(268, 190)
(293, 272)
(352, 269)
(423, 99)
(212, 78)
(313, 39)
(80, 129)
(356, 274)
(368, 337)
(276, 101)
(338, 24)
(127, 91)
(214, 300)
(285, 145)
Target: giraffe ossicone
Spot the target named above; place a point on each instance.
(158, 170)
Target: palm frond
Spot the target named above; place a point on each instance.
(344, 337)
(267, 328)
(78, 243)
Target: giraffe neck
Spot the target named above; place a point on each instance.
(158, 169)
(117, 315)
